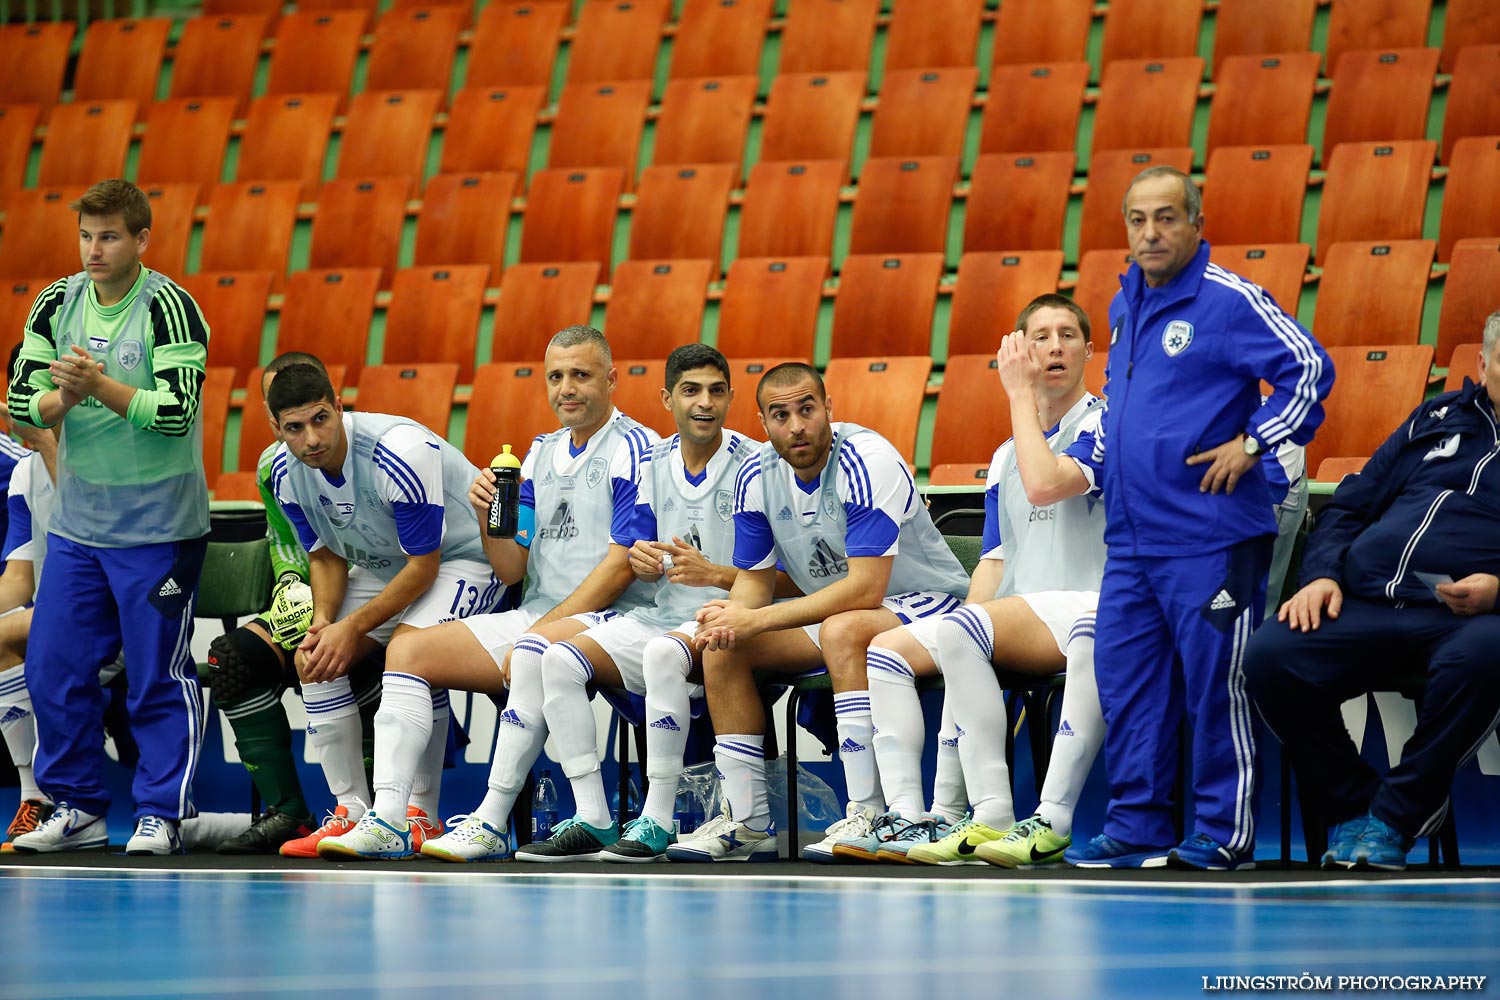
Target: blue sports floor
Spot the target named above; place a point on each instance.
(189, 930)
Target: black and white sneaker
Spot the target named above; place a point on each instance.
(574, 840)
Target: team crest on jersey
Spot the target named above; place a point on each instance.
(370, 498)
(1176, 337)
(131, 354)
(595, 475)
(831, 505)
(724, 505)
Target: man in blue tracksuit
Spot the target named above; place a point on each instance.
(1399, 577)
(1189, 523)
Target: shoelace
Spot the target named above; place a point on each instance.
(149, 826)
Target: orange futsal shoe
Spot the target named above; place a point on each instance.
(336, 824)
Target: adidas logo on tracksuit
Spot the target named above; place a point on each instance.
(668, 723)
(169, 589)
(1222, 601)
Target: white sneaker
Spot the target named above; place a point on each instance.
(67, 829)
(372, 839)
(722, 839)
(471, 840)
(154, 835)
(858, 821)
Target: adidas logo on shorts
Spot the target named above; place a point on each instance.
(13, 714)
(668, 723)
(1222, 601)
(169, 589)
(849, 746)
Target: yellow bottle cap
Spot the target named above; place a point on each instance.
(505, 460)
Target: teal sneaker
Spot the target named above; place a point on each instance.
(1381, 847)
(643, 841)
(930, 829)
(572, 840)
(1341, 840)
(865, 845)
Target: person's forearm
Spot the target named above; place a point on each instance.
(410, 582)
(328, 575)
(986, 581)
(601, 588)
(114, 395)
(506, 557)
(847, 594)
(51, 408)
(1045, 477)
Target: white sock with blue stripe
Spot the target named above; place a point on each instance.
(966, 645)
(741, 760)
(18, 726)
(666, 663)
(427, 782)
(403, 727)
(333, 727)
(521, 734)
(950, 797)
(856, 734)
(566, 674)
(1079, 734)
(896, 717)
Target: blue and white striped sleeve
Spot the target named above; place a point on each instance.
(993, 535)
(874, 484)
(754, 543)
(18, 531)
(281, 488)
(408, 465)
(626, 467)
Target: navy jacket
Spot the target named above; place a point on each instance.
(1428, 502)
(1185, 365)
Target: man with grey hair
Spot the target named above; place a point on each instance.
(1399, 577)
(1185, 579)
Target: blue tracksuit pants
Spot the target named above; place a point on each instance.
(91, 602)
(1171, 633)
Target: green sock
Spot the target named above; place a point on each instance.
(264, 741)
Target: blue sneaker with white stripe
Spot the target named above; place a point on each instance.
(1105, 851)
(1202, 853)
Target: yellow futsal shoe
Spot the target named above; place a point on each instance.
(1029, 843)
(959, 847)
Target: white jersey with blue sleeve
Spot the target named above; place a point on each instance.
(29, 500)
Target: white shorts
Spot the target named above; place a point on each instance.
(497, 632)
(463, 587)
(914, 606)
(624, 638)
(1059, 609)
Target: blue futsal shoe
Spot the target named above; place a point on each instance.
(1202, 853)
(1381, 846)
(1341, 840)
(1105, 851)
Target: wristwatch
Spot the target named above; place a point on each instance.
(1252, 446)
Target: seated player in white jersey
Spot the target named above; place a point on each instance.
(1029, 610)
(576, 526)
(835, 504)
(684, 546)
(381, 504)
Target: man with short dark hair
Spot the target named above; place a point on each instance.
(1399, 577)
(114, 355)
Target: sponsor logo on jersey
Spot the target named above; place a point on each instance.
(595, 475)
(1176, 337)
(724, 505)
(1041, 514)
(368, 560)
(132, 353)
(694, 539)
(562, 525)
(169, 589)
(784, 514)
(825, 562)
(1439, 413)
(669, 506)
(668, 723)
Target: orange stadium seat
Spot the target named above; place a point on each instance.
(1373, 293)
(386, 135)
(1257, 27)
(570, 215)
(537, 300)
(516, 46)
(315, 52)
(369, 8)
(973, 411)
(1473, 96)
(811, 116)
(1018, 202)
(958, 474)
(234, 302)
(680, 212)
(828, 35)
(1147, 102)
(1032, 31)
(420, 392)
(463, 7)
(705, 121)
(790, 209)
(1464, 364)
(1277, 267)
(509, 406)
(236, 485)
(744, 378)
(414, 49)
(1098, 281)
(638, 393)
(925, 34)
(35, 57)
(270, 10)
(885, 303)
(86, 141)
(434, 316)
(213, 408)
(771, 304)
(883, 394)
(172, 208)
(1102, 225)
(490, 129)
(1471, 195)
(1263, 100)
(1377, 387)
(358, 224)
(1468, 294)
(185, 141)
(1379, 94)
(249, 228)
(1033, 107)
(992, 290)
(715, 38)
(1151, 29)
(903, 205)
(1468, 22)
(600, 125)
(217, 56)
(286, 139)
(464, 220)
(17, 296)
(617, 40)
(41, 233)
(1333, 470)
(121, 60)
(656, 305)
(1375, 24)
(1277, 176)
(327, 313)
(923, 112)
(17, 130)
(1376, 191)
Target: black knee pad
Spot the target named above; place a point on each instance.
(241, 663)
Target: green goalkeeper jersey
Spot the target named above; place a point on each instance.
(287, 553)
